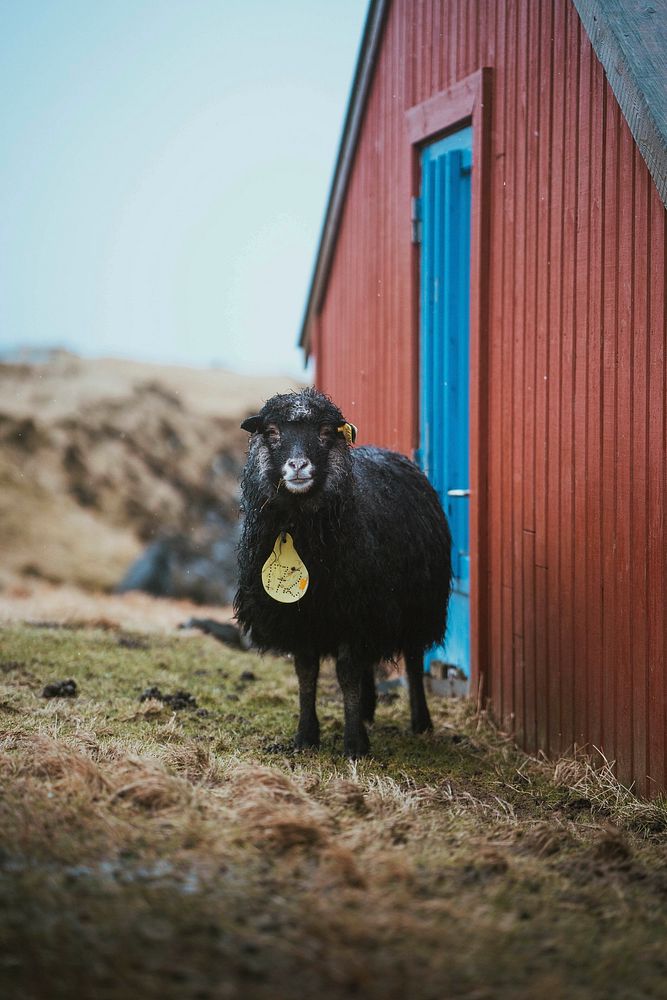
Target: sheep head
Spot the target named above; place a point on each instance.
(299, 447)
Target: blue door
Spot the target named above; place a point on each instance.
(444, 211)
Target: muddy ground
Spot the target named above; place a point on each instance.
(148, 851)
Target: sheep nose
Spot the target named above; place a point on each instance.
(297, 464)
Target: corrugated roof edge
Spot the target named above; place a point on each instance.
(629, 37)
(363, 74)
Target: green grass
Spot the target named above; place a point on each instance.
(146, 853)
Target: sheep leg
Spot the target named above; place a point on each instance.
(350, 675)
(419, 713)
(368, 695)
(308, 732)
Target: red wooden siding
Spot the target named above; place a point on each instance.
(576, 629)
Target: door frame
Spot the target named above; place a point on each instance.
(467, 102)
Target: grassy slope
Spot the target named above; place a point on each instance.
(98, 454)
(46, 533)
(145, 853)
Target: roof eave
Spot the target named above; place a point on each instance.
(361, 82)
(630, 40)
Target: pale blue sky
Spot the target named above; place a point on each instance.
(164, 166)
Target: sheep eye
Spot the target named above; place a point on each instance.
(272, 434)
(327, 434)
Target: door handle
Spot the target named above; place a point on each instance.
(458, 493)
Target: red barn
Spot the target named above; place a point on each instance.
(489, 297)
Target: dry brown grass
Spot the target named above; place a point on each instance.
(271, 811)
(592, 778)
(145, 784)
(146, 853)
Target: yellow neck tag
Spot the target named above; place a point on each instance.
(284, 575)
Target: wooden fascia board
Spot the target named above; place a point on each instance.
(630, 40)
(361, 84)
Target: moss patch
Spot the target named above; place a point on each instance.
(146, 852)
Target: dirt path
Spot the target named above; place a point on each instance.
(146, 852)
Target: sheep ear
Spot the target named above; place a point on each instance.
(251, 424)
(349, 431)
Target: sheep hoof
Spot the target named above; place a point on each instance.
(303, 741)
(357, 746)
(422, 725)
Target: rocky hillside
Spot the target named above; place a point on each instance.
(114, 470)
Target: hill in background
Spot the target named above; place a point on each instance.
(106, 462)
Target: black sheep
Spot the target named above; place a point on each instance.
(369, 530)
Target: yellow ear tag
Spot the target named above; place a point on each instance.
(350, 432)
(284, 575)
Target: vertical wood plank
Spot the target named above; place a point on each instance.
(518, 236)
(592, 598)
(555, 269)
(532, 235)
(496, 679)
(506, 332)
(639, 494)
(609, 415)
(581, 294)
(624, 461)
(657, 477)
(543, 243)
(567, 367)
